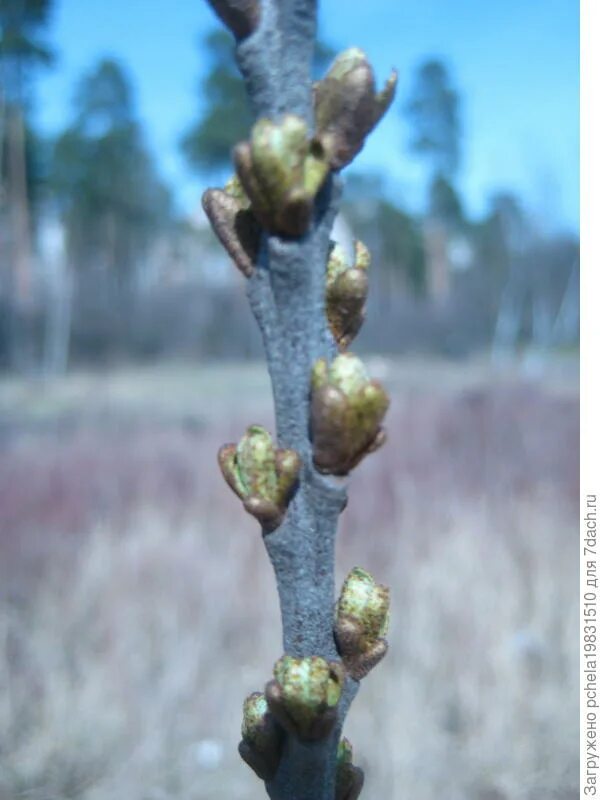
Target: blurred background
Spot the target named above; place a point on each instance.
(137, 607)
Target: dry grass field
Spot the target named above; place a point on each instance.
(137, 606)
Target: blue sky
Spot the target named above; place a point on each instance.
(515, 63)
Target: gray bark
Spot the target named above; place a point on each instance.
(286, 294)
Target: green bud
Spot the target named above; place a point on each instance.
(320, 374)
(261, 476)
(347, 107)
(346, 64)
(336, 264)
(346, 293)
(255, 463)
(344, 752)
(304, 695)
(261, 737)
(287, 466)
(349, 779)
(366, 601)
(362, 621)
(236, 227)
(346, 414)
(281, 170)
(362, 257)
(233, 188)
(255, 712)
(348, 373)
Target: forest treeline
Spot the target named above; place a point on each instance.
(97, 261)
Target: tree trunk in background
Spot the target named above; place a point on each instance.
(58, 292)
(20, 287)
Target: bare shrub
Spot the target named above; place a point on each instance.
(125, 655)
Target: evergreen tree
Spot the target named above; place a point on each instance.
(432, 111)
(22, 50)
(109, 192)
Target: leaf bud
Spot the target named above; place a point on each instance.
(262, 476)
(346, 292)
(362, 620)
(281, 170)
(304, 694)
(349, 779)
(346, 414)
(261, 737)
(347, 106)
(236, 227)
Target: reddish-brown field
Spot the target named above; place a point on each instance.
(137, 606)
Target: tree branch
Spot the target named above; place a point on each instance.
(287, 294)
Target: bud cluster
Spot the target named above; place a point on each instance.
(234, 223)
(283, 166)
(281, 169)
(301, 701)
